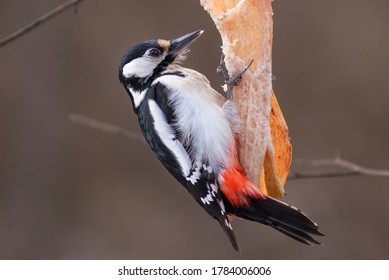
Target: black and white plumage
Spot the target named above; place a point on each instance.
(191, 129)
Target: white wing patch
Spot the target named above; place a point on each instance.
(196, 174)
(211, 195)
(168, 139)
(207, 199)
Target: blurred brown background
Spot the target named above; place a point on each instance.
(68, 191)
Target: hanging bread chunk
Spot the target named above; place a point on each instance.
(246, 28)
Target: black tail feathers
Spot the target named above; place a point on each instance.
(225, 224)
(283, 217)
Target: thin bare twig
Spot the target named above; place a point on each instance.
(38, 21)
(348, 168)
(106, 127)
(320, 174)
(351, 167)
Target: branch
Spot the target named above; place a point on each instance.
(351, 166)
(350, 169)
(321, 174)
(106, 127)
(38, 21)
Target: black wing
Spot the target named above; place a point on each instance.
(168, 157)
(157, 118)
(203, 186)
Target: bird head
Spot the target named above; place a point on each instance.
(145, 61)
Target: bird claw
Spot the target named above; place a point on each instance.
(233, 81)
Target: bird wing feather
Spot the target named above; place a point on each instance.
(196, 176)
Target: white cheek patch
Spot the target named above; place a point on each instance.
(165, 132)
(141, 67)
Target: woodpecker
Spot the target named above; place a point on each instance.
(193, 130)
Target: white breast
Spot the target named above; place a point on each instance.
(200, 115)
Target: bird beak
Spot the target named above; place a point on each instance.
(180, 44)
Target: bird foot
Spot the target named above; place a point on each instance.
(233, 81)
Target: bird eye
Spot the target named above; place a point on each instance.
(154, 53)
